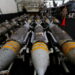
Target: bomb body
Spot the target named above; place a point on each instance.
(40, 57)
(9, 51)
(65, 41)
(39, 53)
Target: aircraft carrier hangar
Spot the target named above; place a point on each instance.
(37, 37)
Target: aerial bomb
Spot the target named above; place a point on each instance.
(20, 34)
(3, 30)
(65, 41)
(60, 35)
(14, 23)
(40, 57)
(39, 34)
(7, 24)
(9, 51)
(39, 52)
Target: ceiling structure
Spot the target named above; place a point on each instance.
(49, 3)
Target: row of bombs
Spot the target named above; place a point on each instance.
(9, 27)
(40, 50)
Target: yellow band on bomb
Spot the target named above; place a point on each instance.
(39, 45)
(68, 47)
(12, 45)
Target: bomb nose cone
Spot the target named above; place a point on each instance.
(41, 72)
